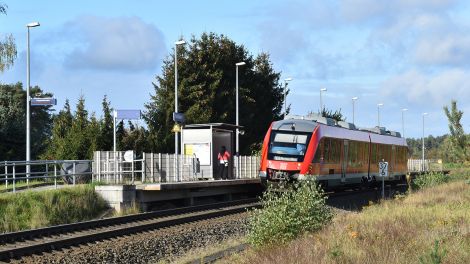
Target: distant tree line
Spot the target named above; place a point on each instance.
(453, 147)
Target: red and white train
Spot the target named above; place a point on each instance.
(336, 153)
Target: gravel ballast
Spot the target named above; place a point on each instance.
(150, 246)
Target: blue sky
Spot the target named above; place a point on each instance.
(404, 53)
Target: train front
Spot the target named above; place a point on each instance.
(287, 151)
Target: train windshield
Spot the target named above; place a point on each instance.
(288, 146)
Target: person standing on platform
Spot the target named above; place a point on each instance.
(224, 158)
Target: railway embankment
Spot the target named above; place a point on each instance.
(431, 224)
(34, 209)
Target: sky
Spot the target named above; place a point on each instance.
(412, 54)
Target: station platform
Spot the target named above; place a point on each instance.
(194, 184)
(153, 196)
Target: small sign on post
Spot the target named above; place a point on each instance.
(178, 118)
(43, 101)
(383, 172)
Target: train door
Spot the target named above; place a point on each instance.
(344, 161)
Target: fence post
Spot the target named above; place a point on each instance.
(73, 175)
(6, 176)
(55, 174)
(160, 166)
(14, 178)
(152, 170)
(144, 167)
(167, 158)
(47, 171)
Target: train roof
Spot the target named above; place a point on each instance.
(341, 129)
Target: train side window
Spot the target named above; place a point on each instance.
(318, 152)
(373, 155)
(327, 150)
(335, 150)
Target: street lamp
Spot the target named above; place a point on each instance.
(28, 114)
(180, 42)
(403, 121)
(424, 114)
(378, 113)
(321, 101)
(236, 119)
(353, 100)
(286, 80)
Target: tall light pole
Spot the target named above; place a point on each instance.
(236, 115)
(321, 101)
(286, 80)
(353, 100)
(28, 101)
(378, 113)
(403, 110)
(424, 114)
(181, 42)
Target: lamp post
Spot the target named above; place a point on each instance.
(321, 101)
(353, 100)
(403, 121)
(286, 80)
(424, 114)
(28, 102)
(378, 113)
(236, 115)
(180, 42)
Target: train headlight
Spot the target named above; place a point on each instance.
(262, 174)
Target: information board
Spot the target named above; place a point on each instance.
(201, 150)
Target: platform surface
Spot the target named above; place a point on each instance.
(194, 184)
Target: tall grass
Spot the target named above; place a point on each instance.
(395, 231)
(288, 213)
(33, 209)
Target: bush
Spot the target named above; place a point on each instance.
(287, 213)
(429, 179)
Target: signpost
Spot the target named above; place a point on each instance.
(383, 172)
(43, 101)
(123, 114)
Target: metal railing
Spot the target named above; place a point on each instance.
(47, 172)
(110, 167)
(417, 165)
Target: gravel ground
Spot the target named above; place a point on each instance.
(151, 246)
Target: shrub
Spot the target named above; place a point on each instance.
(435, 256)
(430, 179)
(287, 213)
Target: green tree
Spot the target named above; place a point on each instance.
(13, 123)
(74, 136)
(457, 135)
(106, 127)
(206, 91)
(57, 144)
(7, 46)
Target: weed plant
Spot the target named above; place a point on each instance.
(429, 180)
(288, 213)
(34, 209)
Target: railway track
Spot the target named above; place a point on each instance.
(23, 243)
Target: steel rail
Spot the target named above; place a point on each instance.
(29, 242)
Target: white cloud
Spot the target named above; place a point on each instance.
(124, 43)
(432, 90)
(453, 50)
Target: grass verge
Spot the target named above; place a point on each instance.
(431, 225)
(34, 209)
